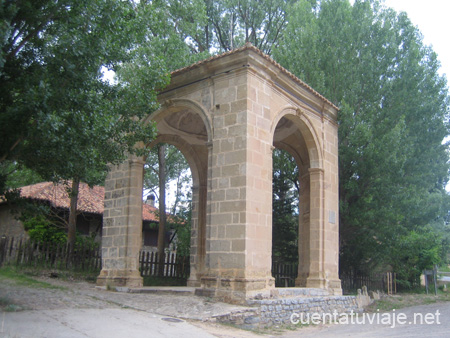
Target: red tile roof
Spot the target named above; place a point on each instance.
(89, 199)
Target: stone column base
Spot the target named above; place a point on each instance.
(235, 290)
(193, 282)
(335, 287)
(301, 279)
(114, 278)
(320, 283)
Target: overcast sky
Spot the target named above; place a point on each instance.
(432, 19)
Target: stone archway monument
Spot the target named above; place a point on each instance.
(226, 114)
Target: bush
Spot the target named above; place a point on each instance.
(415, 252)
(41, 229)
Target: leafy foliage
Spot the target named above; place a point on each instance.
(58, 116)
(230, 24)
(181, 223)
(16, 175)
(40, 229)
(413, 253)
(371, 62)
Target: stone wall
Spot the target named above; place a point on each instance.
(9, 225)
(269, 312)
(279, 311)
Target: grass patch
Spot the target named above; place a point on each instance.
(10, 273)
(66, 275)
(61, 274)
(7, 305)
(5, 301)
(388, 303)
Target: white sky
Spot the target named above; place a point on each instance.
(432, 19)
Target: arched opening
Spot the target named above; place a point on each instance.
(295, 153)
(184, 127)
(285, 197)
(174, 232)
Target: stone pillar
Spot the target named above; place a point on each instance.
(316, 277)
(122, 226)
(319, 230)
(331, 214)
(198, 233)
(239, 227)
(303, 231)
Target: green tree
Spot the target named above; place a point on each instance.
(285, 193)
(16, 175)
(413, 253)
(232, 23)
(58, 116)
(162, 207)
(372, 63)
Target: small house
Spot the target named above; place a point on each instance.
(90, 211)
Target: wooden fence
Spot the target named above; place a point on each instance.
(84, 258)
(49, 255)
(386, 282)
(88, 259)
(284, 274)
(174, 266)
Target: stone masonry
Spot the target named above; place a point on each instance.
(226, 114)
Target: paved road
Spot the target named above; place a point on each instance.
(78, 309)
(432, 320)
(95, 323)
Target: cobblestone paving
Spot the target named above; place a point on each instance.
(63, 295)
(85, 295)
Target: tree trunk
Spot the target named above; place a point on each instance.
(162, 207)
(71, 233)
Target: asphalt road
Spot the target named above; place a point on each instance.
(95, 323)
(431, 320)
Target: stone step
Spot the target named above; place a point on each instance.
(298, 292)
(159, 290)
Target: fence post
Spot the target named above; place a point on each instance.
(395, 283)
(435, 279)
(2, 249)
